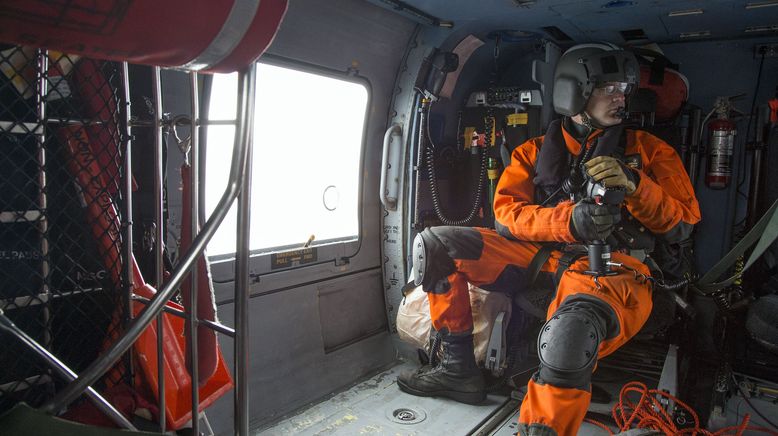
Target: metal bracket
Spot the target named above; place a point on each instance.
(495, 352)
(668, 381)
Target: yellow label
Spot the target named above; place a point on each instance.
(468, 137)
(517, 119)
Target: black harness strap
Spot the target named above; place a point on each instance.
(567, 259)
(621, 146)
(540, 258)
(533, 269)
(527, 306)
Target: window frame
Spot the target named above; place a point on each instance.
(341, 249)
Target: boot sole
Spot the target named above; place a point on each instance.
(462, 397)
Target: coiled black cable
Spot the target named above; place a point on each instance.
(671, 285)
(721, 299)
(666, 285)
(432, 177)
(436, 199)
(574, 183)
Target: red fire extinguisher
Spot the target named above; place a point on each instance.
(721, 147)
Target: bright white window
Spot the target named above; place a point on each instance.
(308, 134)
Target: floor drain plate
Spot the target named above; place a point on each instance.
(406, 415)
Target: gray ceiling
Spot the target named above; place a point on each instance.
(588, 20)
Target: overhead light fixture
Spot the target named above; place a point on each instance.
(753, 29)
(699, 34)
(756, 5)
(685, 12)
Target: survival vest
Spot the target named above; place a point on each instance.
(555, 163)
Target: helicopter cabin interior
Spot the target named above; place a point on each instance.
(230, 192)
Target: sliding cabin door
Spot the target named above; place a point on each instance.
(317, 305)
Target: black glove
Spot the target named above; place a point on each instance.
(592, 222)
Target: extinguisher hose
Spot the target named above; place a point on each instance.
(702, 125)
(430, 161)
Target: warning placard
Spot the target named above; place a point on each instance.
(293, 258)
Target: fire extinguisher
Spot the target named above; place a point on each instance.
(721, 146)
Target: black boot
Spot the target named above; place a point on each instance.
(456, 376)
(536, 430)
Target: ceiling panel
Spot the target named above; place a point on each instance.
(588, 20)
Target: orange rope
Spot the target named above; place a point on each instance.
(649, 412)
(599, 424)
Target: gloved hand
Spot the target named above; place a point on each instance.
(590, 222)
(612, 173)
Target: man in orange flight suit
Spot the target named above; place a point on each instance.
(538, 200)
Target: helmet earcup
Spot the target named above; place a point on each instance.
(568, 98)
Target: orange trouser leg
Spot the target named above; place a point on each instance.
(563, 408)
(451, 310)
(481, 257)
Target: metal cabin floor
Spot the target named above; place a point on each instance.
(370, 407)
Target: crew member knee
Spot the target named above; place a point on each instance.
(434, 250)
(568, 343)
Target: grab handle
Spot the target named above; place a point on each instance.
(390, 174)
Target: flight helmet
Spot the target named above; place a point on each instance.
(586, 66)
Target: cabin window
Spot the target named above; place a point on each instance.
(308, 134)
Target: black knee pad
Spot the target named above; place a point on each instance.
(431, 262)
(435, 249)
(568, 342)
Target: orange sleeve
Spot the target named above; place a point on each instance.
(664, 200)
(514, 210)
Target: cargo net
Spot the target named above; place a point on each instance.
(60, 203)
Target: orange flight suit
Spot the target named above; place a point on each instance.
(664, 198)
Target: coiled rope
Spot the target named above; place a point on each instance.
(650, 413)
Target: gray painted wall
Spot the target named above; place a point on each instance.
(724, 68)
